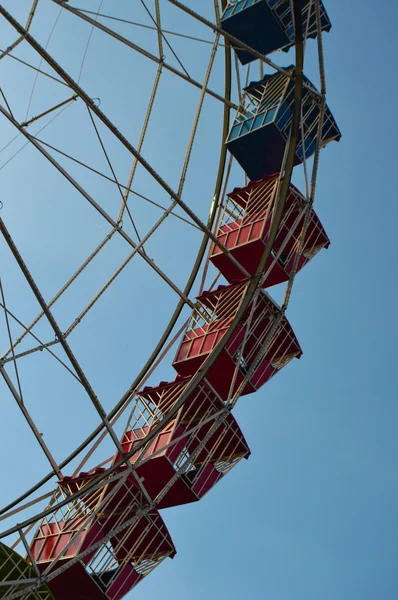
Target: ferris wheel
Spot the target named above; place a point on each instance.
(149, 225)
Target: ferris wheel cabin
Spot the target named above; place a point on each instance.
(244, 230)
(267, 25)
(183, 439)
(259, 134)
(237, 360)
(110, 545)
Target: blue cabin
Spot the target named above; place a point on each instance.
(267, 25)
(259, 133)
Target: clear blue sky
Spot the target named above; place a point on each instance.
(313, 513)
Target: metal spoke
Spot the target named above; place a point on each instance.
(28, 330)
(88, 43)
(141, 140)
(114, 176)
(127, 189)
(164, 31)
(20, 129)
(163, 37)
(10, 341)
(41, 60)
(252, 288)
(68, 351)
(91, 200)
(41, 347)
(6, 101)
(26, 64)
(106, 121)
(140, 50)
(47, 112)
(245, 303)
(35, 431)
(27, 27)
(156, 353)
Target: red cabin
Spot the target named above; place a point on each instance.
(216, 311)
(158, 462)
(245, 228)
(52, 539)
(114, 567)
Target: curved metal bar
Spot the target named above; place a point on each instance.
(252, 288)
(191, 280)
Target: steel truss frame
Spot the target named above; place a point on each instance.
(248, 300)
